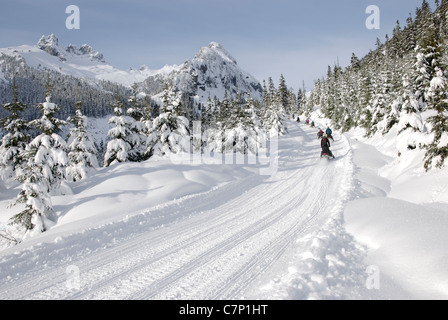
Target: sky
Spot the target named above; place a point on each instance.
(269, 38)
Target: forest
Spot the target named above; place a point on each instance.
(401, 84)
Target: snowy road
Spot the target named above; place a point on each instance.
(220, 246)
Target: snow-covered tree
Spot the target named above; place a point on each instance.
(256, 135)
(410, 117)
(437, 97)
(216, 135)
(14, 141)
(274, 119)
(208, 126)
(50, 146)
(170, 132)
(81, 146)
(283, 94)
(43, 171)
(125, 144)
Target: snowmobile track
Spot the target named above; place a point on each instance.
(223, 241)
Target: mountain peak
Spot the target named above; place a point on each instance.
(212, 72)
(50, 40)
(50, 44)
(215, 49)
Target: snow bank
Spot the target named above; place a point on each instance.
(407, 242)
(399, 213)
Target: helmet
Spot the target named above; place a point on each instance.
(324, 135)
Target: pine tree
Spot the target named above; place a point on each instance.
(124, 144)
(301, 99)
(51, 147)
(81, 146)
(410, 125)
(233, 132)
(256, 135)
(410, 115)
(170, 133)
(283, 94)
(135, 109)
(224, 123)
(208, 126)
(35, 193)
(437, 95)
(14, 141)
(274, 119)
(45, 162)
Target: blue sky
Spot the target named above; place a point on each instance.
(298, 39)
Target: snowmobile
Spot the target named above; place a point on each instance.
(328, 155)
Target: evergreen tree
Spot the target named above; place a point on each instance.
(216, 136)
(14, 141)
(81, 146)
(135, 109)
(51, 148)
(301, 99)
(233, 133)
(410, 115)
(45, 160)
(125, 140)
(283, 94)
(437, 95)
(256, 135)
(274, 119)
(208, 125)
(170, 133)
(35, 193)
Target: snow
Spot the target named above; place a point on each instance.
(81, 63)
(367, 225)
(401, 214)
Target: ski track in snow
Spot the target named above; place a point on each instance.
(225, 244)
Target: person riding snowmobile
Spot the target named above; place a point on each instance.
(329, 133)
(325, 145)
(320, 134)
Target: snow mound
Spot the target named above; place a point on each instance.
(405, 240)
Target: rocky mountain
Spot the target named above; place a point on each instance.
(83, 73)
(212, 72)
(81, 62)
(50, 44)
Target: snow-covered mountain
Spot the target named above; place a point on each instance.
(212, 72)
(83, 62)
